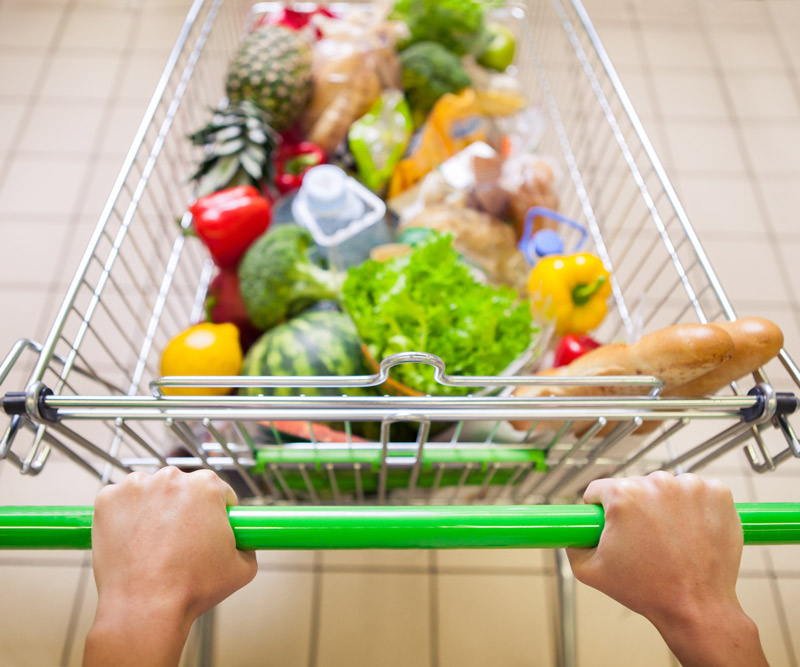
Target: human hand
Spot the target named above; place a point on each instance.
(671, 550)
(163, 553)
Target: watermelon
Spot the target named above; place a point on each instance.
(314, 343)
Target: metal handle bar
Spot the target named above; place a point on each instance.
(458, 527)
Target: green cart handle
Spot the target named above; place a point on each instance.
(454, 527)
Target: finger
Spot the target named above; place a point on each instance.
(231, 499)
(597, 490)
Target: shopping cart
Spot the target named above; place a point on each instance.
(441, 472)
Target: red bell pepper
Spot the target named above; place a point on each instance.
(570, 347)
(294, 19)
(228, 221)
(224, 304)
(292, 163)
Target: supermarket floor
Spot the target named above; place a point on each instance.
(716, 83)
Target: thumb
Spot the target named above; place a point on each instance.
(580, 561)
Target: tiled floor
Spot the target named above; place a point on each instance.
(716, 83)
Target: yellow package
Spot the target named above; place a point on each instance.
(455, 122)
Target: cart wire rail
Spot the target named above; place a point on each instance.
(94, 392)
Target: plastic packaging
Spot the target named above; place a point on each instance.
(345, 218)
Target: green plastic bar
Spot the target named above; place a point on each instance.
(455, 527)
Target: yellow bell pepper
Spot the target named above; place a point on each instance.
(570, 291)
(204, 349)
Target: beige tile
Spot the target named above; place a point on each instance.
(61, 129)
(637, 86)
(35, 613)
(26, 305)
(782, 199)
(412, 559)
(28, 250)
(370, 619)
(267, 622)
(84, 620)
(28, 27)
(21, 191)
(758, 602)
(494, 620)
(104, 175)
(763, 95)
(620, 44)
(746, 49)
(789, 250)
(158, 31)
(18, 73)
(679, 14)
(774, 148)
(610, 634)
(141, 77)
(676, 48)
(693, 95)
(737, 262)
(61, 482)
(11, 114)
(738, 14)
(538, 560)
(96, 28)
(720, 205)
(790, 596)
(703, 146)
(81, 77)
(121, 129)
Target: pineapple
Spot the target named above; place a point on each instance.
(273, 69)
(238, 148)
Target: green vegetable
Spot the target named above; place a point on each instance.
(316, 343)
(430, 71)
(455, 24)
(428, 301)
(279, 276)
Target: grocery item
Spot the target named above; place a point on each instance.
(457, 25)
(690, 359)
(293, 162)
(229, 220)
(498, 52)
(485, 241)
(224, 304)
(345, 219)
(238, 144)
(429, 72)
(296, 19)
(570, 291)
(280, 276)
(272, 69)
(530, 181)
(202, 350)
(572, 346)
(429, 301)
(316, 343)
(379, 138)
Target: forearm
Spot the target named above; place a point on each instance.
(136, 632)
(718, 635)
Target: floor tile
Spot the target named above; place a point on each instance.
(18, 72)
(11, 115)
(620, 44)
(266, 622)
(61, 482)
(704, 147)
(25, 303)
(790, 251)
(81, 76)
(46, 130)
(740, 14)
(782, 199)
(494, 620)
(21, 191)
(763, 95)
(720, 204)
(774, 148)
(746, 49)
(676, 48)
(95, 28)
(28, 26)
(158, 31)
(610, 634)
(41, 593)
(121, 129)
(141, 77)
(372, 619)
(790, 596)
(693, 95)
(26, 251)
(412, 559)
(538, 560)
(637, 86)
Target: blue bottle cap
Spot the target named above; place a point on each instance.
(547, 242)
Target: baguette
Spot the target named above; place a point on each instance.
(676, 355)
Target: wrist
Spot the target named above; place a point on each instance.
(710, 634)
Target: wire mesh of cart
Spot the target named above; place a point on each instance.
(94, 393)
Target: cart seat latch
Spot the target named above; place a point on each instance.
(777, 403)
(16, 403)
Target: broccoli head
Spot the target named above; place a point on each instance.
(279, 276)
(457, 25)
(430, 71)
